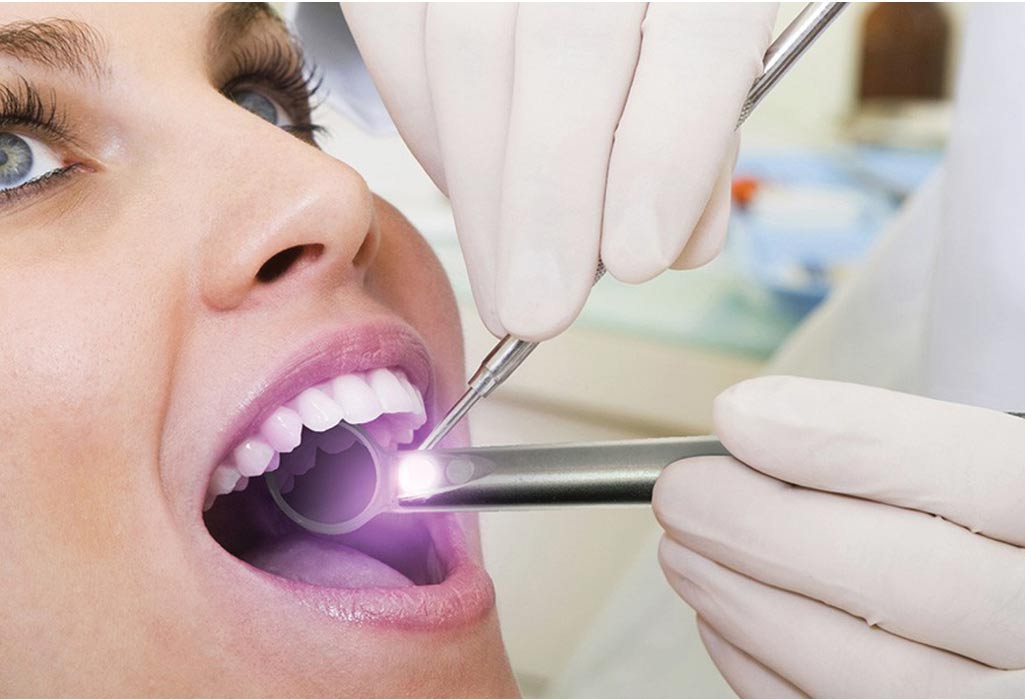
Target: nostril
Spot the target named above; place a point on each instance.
(282, 262)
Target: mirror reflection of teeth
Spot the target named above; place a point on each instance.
(383, 401)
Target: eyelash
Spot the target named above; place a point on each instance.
(37, 186)
(268, 64)
(22, 107)
(295, 82)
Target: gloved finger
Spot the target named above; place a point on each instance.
(901, 570)
(400, 75)
(818, 648)
(747, 677)
(573, 68)
(470, 67)
(706, 242)
(697, 63)
(960, 462)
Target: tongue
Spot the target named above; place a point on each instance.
(324, 563)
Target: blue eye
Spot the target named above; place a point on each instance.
(24, 159)
(262, 106)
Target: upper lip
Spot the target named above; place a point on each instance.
(338, 351)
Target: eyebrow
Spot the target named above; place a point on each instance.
(61, 44)
(76, 47)
(232, 21)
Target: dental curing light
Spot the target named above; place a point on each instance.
(344, 491)
(510, 352)
(531, 477)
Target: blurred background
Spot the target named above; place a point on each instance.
(826, 161)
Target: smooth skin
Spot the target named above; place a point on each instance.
(132, 320)
(863, 543)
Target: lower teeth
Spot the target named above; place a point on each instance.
(332, 482)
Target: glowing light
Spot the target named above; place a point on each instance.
(417, 475)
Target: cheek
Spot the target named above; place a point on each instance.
(80, 363)
(407, 277)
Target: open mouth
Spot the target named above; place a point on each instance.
(301, 442)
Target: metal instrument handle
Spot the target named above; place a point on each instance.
(538, 476)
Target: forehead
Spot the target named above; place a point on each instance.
(118, 20)
(140, 35)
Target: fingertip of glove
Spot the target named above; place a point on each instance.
(535, 322)
(755, 397)
(630, 268)
(740, 413)
(699, 257)
(676, 498)
(707, 241)
(665, 495)
(535, 310)
(489, 317)
(669, 555)
(679, 562)
(633, 257)
(757, 418)
(540, 291)
(715, 643)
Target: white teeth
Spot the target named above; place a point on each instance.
(318, 411)
(283, 429)
(402, 436)
(274, 463)
(382, 434)
(357, 398)
(390, 391)
(224, 479)
(418, 401)
(253, 456)
(303, 459)
(287, 484)
(336, 441)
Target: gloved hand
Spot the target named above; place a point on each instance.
(512, 109)
(872, 547)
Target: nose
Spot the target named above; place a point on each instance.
(285, 217)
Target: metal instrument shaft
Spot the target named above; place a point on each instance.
(540, 476)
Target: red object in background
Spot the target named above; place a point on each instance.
(744, 190)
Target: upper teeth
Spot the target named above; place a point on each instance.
(356, 398)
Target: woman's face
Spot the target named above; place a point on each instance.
(177, 264)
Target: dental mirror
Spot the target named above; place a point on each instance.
(331, 484)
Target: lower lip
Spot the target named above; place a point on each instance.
(464, 597)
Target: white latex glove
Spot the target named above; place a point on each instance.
(872, 548)
(512, 109)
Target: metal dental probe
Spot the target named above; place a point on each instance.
(510, 352)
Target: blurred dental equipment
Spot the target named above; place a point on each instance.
(509, 353)
(346, 490)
